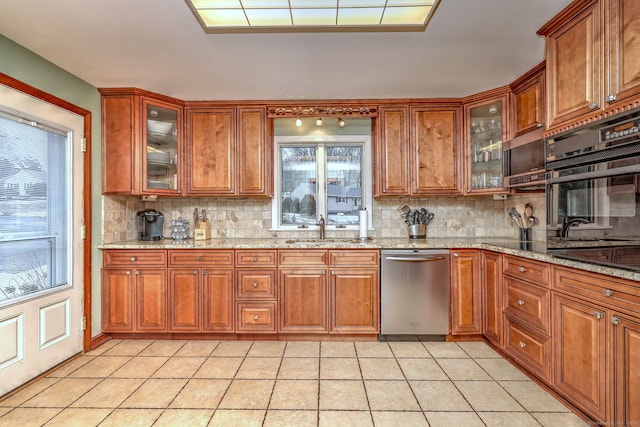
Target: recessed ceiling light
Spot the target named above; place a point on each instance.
(242, 16)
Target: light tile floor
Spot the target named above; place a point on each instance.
(264, 383)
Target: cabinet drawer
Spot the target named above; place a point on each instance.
(528, 303)
(264, 258)
(533, 271)
(193, 258)
(608, 290)
(531, 349)
(354, 258)
(258, 317)
(256, 284)
(297, 258)
(113, 258)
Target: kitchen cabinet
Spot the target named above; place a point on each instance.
(626, 360)
(623, 51)
(391, 151)
(492, 322)
(466, 309)
(256, 291)
(228, 151)
(580, 354)
(141, 143)
(201, 291)
(486, 129)
(528, 102)
(354, 289)
(134, 291)
(435, 150)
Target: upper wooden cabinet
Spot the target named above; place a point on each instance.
(593, 61)
(417, 150)
(527, 102)
(228, 151)
(141, 143)
(435, 150)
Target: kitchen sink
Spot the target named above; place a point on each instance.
(595, 239)
(343, 241)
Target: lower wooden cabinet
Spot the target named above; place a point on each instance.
(354, 301)
(256, 317)
(118, 299)
(580, 354)
(626, 369)
(466, 309)
(303, 300)
(217, 300)
(492, 322)
(185, 296)
(529, 347)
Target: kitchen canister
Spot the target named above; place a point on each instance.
(418, 231)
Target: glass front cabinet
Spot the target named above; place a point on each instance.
(161, 147)
(485, 129)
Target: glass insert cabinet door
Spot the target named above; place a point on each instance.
(485, 127)
(161, 138)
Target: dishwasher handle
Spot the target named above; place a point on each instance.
(428, 259)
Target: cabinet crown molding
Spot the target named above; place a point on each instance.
(323, 111)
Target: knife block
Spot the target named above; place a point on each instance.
(201, 230)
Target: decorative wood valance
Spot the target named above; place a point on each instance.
(323, 111)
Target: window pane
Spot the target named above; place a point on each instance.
(344, 184)
(33, 208)
(298, 185)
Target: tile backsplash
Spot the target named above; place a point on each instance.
(477, 216)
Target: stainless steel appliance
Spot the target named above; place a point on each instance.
(524, 162)
(415, 293)
(593, 192)
(149, 223)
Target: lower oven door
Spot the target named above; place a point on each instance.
(604, 197)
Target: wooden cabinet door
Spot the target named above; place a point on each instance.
(579, 354)
(624, 49)
(527, 102)
(626, 360)
(391, 163)
(118, 290)
(492, 322)
(217, 292)
(254, 153)
(184, 300)
(435, 150)
(575, 67)
(303, 299)
(151, 300)
(120, 145)
(466, 314)
(210, 153)
(354, 301)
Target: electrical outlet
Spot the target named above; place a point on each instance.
(148, 198)
(499, 197)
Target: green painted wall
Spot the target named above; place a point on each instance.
(24, 65)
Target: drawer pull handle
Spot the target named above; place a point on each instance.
(615, 320)
(256, 317)
(598, 315)
(520, 302)
(255, 284)
(134, 258)
(522, 269)
(607, 293)
(522, 344)
(200, 259)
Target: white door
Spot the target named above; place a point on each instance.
(41, 257)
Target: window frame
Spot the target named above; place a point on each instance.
(320, 142)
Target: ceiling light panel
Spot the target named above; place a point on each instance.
(220, 16)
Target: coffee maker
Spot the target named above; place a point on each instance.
(150, 223)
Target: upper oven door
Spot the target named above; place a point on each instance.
(605, 196)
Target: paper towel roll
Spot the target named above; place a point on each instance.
(364, 227)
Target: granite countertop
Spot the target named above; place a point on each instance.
(536, 250)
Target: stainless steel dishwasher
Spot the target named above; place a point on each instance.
(415, 293)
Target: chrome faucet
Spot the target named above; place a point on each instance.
(568, 222)
(321, 224)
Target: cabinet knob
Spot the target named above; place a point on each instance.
(593, 106)
(455, 255)
(520, 302)
(137, 271)
(522, 269)
(540, 125)
(255, 284)
(195, 272)
(598, 315)
(134, 258)
(612, 98)
(522, 344)
(255, 259)
(615, 320)
(607, 292)
(204, 272)
(200, 259)
(256, 317)
(129, 272)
